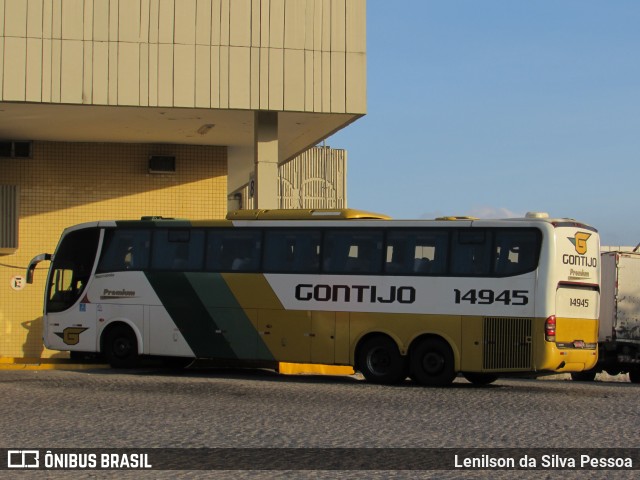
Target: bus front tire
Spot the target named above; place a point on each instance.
(432, 364)
(634, 375)
(480, 378)
(379, 360)
(121, 348)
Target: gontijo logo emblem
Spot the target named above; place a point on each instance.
(71, 335)
(580, 242)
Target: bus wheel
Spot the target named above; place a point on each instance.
(586, 376)
(432, 363)
(634, 375)
(480, 378)
(121, 348)
(380, 361)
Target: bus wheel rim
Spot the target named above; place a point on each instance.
(379, 361)
(433, 362)
(121, 347)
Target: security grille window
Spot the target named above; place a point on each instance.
(8, 219)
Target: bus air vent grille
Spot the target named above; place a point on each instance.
(507, 344)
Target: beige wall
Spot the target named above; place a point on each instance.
(292, 55)
(66, 183)
(212, 62)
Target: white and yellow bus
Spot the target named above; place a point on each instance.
(425, 299)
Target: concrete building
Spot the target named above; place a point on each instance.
(123, 108)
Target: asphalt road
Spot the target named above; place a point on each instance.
(153, 408)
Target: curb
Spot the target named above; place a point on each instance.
(18, 363)
(313, 369)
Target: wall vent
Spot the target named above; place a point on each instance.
(8, 219)
(15, 149)
(162, 164)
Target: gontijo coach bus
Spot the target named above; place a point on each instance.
(426, 299)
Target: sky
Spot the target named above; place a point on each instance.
(493, 108)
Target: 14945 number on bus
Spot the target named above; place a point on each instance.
(489, 297)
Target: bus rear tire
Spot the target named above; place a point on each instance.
(379, 360)
(432, 364)
(121, 347)
(634, 375)
(480, 378)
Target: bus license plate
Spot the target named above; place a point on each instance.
(578, 344)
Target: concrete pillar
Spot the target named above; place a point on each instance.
(266, 160)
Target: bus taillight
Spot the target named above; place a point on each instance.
(550, 329)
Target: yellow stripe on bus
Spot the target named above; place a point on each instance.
(306, 368)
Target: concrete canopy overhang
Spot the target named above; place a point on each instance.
(297, 131)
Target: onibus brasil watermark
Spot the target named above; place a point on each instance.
(76, 460)
(321, 458)
(553, 461)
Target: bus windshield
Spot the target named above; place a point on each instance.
(71, 269)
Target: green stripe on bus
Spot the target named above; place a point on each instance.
(230, 316)
(190, 315)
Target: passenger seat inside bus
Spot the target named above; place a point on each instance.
(422, 265)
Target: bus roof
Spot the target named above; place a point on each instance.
(328, 217)
(306, 214)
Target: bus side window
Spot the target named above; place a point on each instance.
(178, 249)
(416, 252)
(352, 251)
(233, 251)
(516, 252)
(292, 251)
(401, 248)
(471, 253)
(125, 250)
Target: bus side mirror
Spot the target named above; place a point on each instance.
(35, 261)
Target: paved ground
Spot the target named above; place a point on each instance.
(218, 408)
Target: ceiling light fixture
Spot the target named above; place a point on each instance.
(204, 129)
